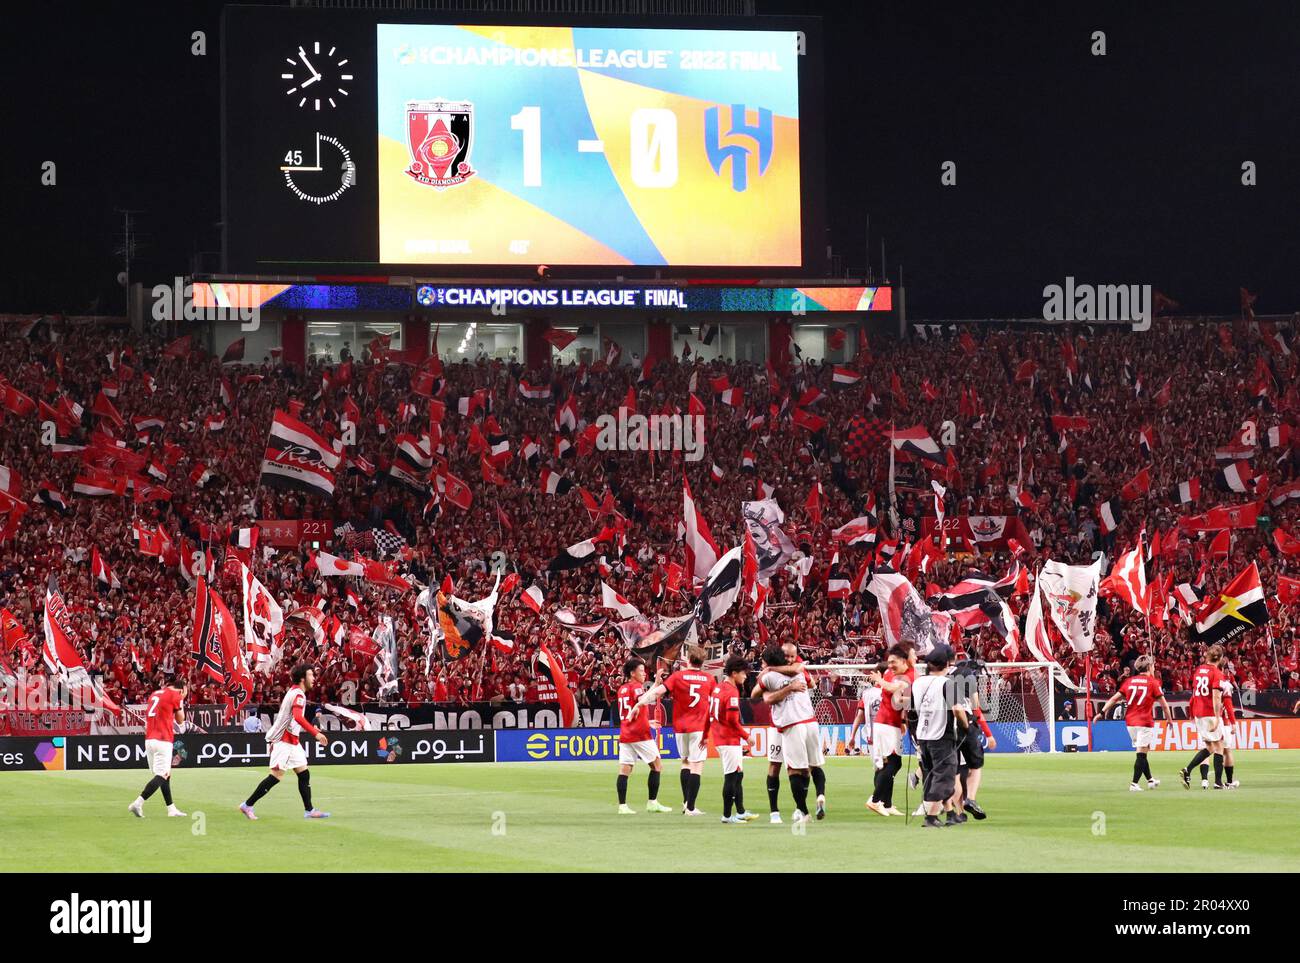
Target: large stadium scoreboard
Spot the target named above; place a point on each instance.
(368, 139)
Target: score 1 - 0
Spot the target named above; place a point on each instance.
(653, 147)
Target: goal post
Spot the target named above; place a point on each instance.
(1018, 696)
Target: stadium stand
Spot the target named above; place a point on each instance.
(1193, 383)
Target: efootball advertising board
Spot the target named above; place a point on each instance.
(372, 139)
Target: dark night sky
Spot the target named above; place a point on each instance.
(1122, 169)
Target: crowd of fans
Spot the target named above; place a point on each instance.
(1193, 383)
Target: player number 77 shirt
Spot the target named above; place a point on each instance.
(1140, 693)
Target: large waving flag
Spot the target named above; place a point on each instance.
(975, 601)
(772, 546)
(387, 670)
(701, 550)
(1037, 638)
(1128, 580)
(263, 621)
(721, 586)
(916, 441)
(298, 458)
(1070, 593)
(1239, 607)
(552, 667)
(215, 647)
(61, 655)
(610, 599)
(464, 626)
(905, 615)
(101, 570)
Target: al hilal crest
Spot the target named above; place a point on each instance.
(439, 134)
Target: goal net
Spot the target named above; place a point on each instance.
(1016, 697)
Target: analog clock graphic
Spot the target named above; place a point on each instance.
(317, 77)
(321, 172)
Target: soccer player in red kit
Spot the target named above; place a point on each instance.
(1229, 742)
(730, 737)
(636, 741)
(164, 709)
(1206, 709)
(690, 689)
(286, 750)
(1140, 692)
(887, 728)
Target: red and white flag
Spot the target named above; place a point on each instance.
(609, 599)
(332, 565)
(701, 549)
(61, 655)
(298, 458)
(533, 598)
(263, 621)
(844, 377)
(101, 570)
(1128, 580)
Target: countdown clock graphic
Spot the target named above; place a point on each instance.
(320, 173)
(317, 76)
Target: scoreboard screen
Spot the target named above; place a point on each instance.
(359, 139)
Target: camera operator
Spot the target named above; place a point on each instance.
(937, 721)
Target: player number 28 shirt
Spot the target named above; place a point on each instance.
(1205, 680)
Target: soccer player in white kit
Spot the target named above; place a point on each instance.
(786, 692)
(286, 750)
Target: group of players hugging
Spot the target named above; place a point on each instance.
(952, 739)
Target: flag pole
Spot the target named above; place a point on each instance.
(1087, 694)
(1272, 644)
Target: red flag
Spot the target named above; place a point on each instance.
(457, 492)
(61, 655)
(1286, 543)
(808, 421)
(103, 407)
(234, 352)
(179, 348)
(11, 399)
(560, 339)
(813, 505)
(701, 550)
(1137, 486)
(553, 667)
(1288, 590)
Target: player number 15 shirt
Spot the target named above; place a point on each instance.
(638, 730)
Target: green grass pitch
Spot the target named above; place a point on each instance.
(1065, 813)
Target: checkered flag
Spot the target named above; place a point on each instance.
(388, 543)
(863, 435)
